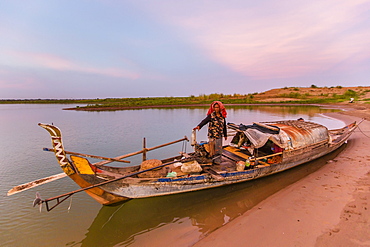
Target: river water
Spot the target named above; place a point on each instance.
(176, 220)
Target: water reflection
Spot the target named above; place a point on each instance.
(287, 109)
(109, 134)
(187, 217)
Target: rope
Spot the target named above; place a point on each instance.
(363, 132)
(110, 217)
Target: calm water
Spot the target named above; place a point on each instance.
(178, 220)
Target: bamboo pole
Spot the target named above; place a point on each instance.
(141, 151)
(166, 144)
(90, 156)
(267, 156)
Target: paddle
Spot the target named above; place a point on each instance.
(67, 195)
(29, 185)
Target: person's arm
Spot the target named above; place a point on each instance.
(204, 122)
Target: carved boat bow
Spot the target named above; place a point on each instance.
(60, 154)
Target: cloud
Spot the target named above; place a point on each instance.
(51, 61)
(272, 39)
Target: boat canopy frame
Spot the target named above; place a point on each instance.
(289, 135)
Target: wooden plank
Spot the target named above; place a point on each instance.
(237, 151)
(29, 185)
(232, 156)
(214, 174)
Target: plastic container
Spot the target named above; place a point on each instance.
(240, 165)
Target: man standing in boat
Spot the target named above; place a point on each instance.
(216, 116)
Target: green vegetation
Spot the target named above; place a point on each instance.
(253, 98)
(144, 101)
(323, 98)
(167, 101)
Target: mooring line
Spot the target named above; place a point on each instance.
(363, 132)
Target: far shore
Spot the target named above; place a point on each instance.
(287, 96)
(353, 109)
(119, 108)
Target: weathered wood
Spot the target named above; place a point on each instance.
(214, 174)
(66, 195)
(29, 185)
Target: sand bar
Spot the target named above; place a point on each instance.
(330, 207)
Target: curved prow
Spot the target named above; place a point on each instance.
(56, 140)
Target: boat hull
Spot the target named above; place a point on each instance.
(121, 184)
(140, 188)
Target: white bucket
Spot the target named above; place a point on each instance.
(194, 137)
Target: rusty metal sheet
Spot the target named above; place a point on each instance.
(298, 134)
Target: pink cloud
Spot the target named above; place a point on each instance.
(273, 39)
(50, 61)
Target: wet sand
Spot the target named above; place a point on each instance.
(329, 207)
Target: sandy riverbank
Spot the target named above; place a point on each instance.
(330, 207)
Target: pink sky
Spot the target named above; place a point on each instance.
(173, 48)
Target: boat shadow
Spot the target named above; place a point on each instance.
(185, 218)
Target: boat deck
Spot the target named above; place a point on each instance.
(235, 154)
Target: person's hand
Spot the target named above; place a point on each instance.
(225, 138)
(197, 128)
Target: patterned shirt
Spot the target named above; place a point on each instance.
(216, 126)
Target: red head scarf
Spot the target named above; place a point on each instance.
(222, 108)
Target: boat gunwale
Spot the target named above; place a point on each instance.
(196, 177)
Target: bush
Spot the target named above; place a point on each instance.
(350, 94)
(291, 95)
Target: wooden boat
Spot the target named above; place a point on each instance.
(257, 150)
